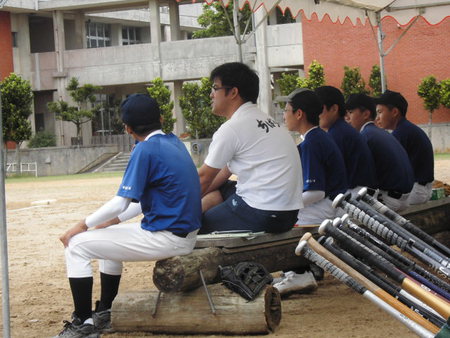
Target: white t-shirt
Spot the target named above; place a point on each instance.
(263, 156)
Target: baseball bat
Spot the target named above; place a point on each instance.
(415, 241)
(408, 225)
(402, 308)
(441, 306)
(382, 253)
(392, 237)
(404, 297)
(411, 267)
(349, 281)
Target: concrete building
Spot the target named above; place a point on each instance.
(123, 45)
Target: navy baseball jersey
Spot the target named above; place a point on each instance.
(322, 164)
(394, 171)
(419, 150)
(358, 159)
(171, 197)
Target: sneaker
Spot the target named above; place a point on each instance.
(283, 275)
(76, 329)
(102, 319)
(296, 283)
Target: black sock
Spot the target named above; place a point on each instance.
(110, 287)
(82, 296)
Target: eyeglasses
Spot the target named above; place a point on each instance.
(215, 89)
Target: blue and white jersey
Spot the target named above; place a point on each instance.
(358, 159)
(322, 164)
(163, 178)
(394, 171)
(419, 149)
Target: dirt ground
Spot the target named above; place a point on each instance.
(39, 293)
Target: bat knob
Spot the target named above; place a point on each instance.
(337, 221)
(361, 193)
(300, 247)
(345, 218)
(323, 226)
(338, 200)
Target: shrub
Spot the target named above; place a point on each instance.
(42, 139)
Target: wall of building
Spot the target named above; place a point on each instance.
(6, 52)
(423, 50)
(62, 160)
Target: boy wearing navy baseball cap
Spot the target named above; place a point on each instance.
(391, 110)
(162, 183)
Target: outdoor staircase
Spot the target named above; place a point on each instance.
(117, 163)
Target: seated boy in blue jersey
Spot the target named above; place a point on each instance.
(394, 172)
(324, 175)
(391, 109)
(358, 159)
(163, 180)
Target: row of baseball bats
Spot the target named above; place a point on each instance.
(388, 260)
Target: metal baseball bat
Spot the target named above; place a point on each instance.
(404, 297)
(410, 266)
(408, 225)
(392, 237)
(398, 264)
(356, 248)
(403, 309)
(413, 240)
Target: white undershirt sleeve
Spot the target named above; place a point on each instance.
(133, 210)
(312, 196)
(109, 210)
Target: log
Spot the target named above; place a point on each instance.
(181, 273)
(190, 313)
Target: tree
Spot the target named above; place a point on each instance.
(316, 76)
(162, 95)
(17, 98)
(429, 91)
(353, 83)
(83, 112)
(445, 93)
(375, 81)
(196, 108)
(215, 23)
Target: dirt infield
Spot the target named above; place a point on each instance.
(40, 296)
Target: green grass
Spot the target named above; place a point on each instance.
(442, 156)
(61, 177)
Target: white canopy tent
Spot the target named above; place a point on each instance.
(404, 11)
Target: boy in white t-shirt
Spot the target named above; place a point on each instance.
(258, 150)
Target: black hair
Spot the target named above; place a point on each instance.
(143, 130)
(310, 103)
(362, 102)
(241, 76)
(330, 96)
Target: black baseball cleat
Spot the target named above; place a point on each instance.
(102, 319)
(77, 329)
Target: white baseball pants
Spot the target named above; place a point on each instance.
(122, 243)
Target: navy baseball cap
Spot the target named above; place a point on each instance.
(361, 101)
(140, 110)
(395, 99)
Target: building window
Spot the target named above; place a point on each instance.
(98, 34)
(14, 39)
(131, 36)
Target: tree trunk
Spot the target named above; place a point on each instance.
(190, 312)
(181, 273)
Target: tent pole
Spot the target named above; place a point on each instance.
(3, 236)
(237, 28)
(380, 38)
